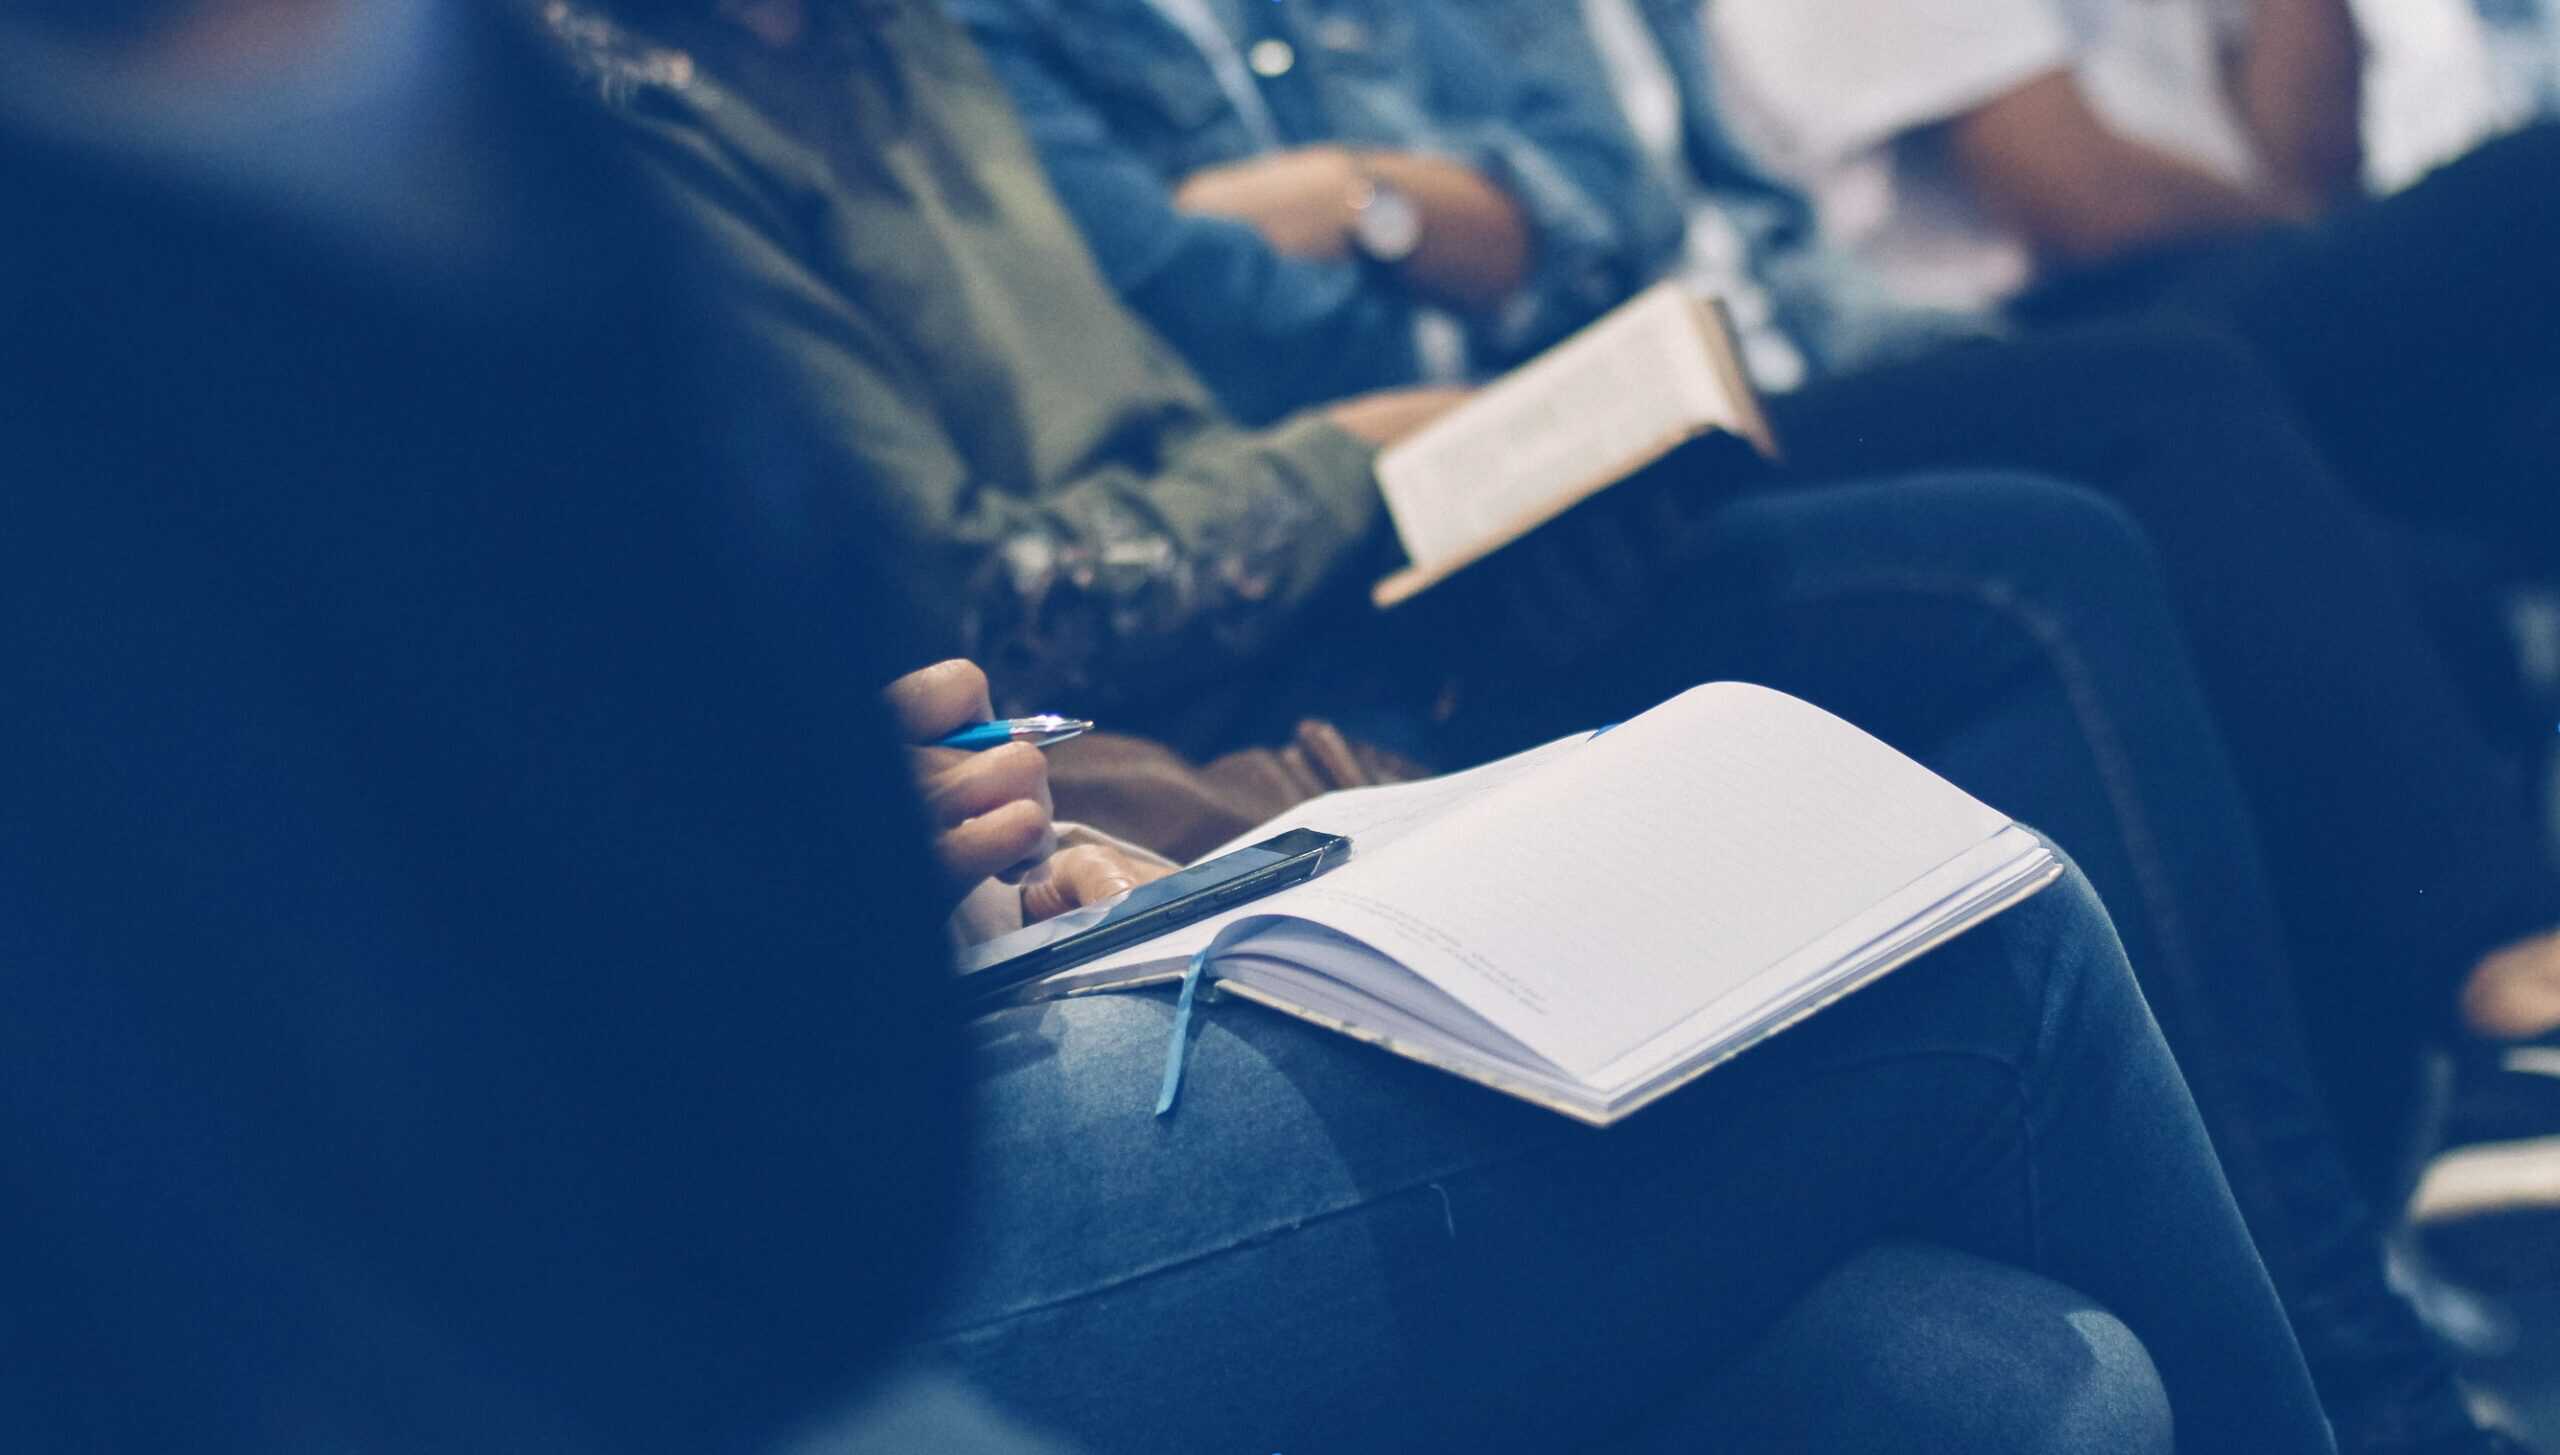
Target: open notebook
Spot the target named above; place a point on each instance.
(1660, 370)
(1593, 923)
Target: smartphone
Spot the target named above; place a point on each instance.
(1185, 896)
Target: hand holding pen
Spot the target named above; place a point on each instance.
(989, 808)
(986, 787)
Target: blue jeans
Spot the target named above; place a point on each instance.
(1906, 1346)
(2018, 637)
(1330, 1250)
(1914, 1347)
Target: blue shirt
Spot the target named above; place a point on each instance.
(1124, 104)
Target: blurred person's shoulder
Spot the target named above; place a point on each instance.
(692, 126)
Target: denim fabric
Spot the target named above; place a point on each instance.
(1837, 311)
(915, 1411)
(1123, 107)
(1329, 1249)
(1908, 1347)
(1905, 1345)
(2020, 640)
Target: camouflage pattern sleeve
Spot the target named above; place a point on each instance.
(1176, 562)
(1125, 585)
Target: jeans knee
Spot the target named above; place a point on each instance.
(2060, 949)
(2060, 547)
(1911, 1346)
(2102, 1393)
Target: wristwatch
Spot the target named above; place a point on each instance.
(1386, 224)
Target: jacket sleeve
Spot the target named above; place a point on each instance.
(1269, 333)
(1124, 581)
(1602, 224)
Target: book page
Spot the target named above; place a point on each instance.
(1581, 415)
(1589, 906)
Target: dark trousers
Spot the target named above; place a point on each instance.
(2032, 647)
(1329, 1249)
(2416, 335)
(2398, 848)
(2418, 338)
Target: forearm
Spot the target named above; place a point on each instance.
(2140, 197)
(2298, 80)
(1475, 247)
(2044, 163)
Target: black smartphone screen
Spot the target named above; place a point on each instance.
(1152, 909)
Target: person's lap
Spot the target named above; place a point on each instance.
(1328, 1248)
(1908, 1346)
(2319, 677)
(2017, 636)
(2418, 333)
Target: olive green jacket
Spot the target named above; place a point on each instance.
(1107, 535)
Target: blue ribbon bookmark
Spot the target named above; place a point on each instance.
(1177, 1053)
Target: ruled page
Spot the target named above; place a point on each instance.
(1587, 907)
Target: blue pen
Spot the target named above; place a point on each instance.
(1043, 731)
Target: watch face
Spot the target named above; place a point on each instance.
(1388, 227)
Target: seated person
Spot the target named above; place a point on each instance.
(522, 1052)
(2064, 161)
(430, 1029)
(1465, 1271)
(1258, 181)
(1121, 549)
(2177, 426)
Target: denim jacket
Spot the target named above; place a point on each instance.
(1123, 106)
(1831, 307)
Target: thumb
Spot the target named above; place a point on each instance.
(1073, 879)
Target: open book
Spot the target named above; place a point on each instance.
(1658, 371)
(1593, 923)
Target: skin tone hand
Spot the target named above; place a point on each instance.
(1299, 200)
(2043, 159)
(991, 811)
(2514, 994)
(2298, 83)
(1085, 874)
(988, 811)
(2042, 156)
(1389, 415)
(1475, 244)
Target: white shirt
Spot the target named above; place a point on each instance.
(2430, 87)
(1826, 92)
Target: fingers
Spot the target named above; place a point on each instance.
(990, 810)
(1086, 874)
(939, 700)
(2514, 994)
(964, 785)
(992, 842)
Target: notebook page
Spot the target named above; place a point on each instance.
(1372, 818)
(1951, 893)
(1588, 907)
(1637, 379)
